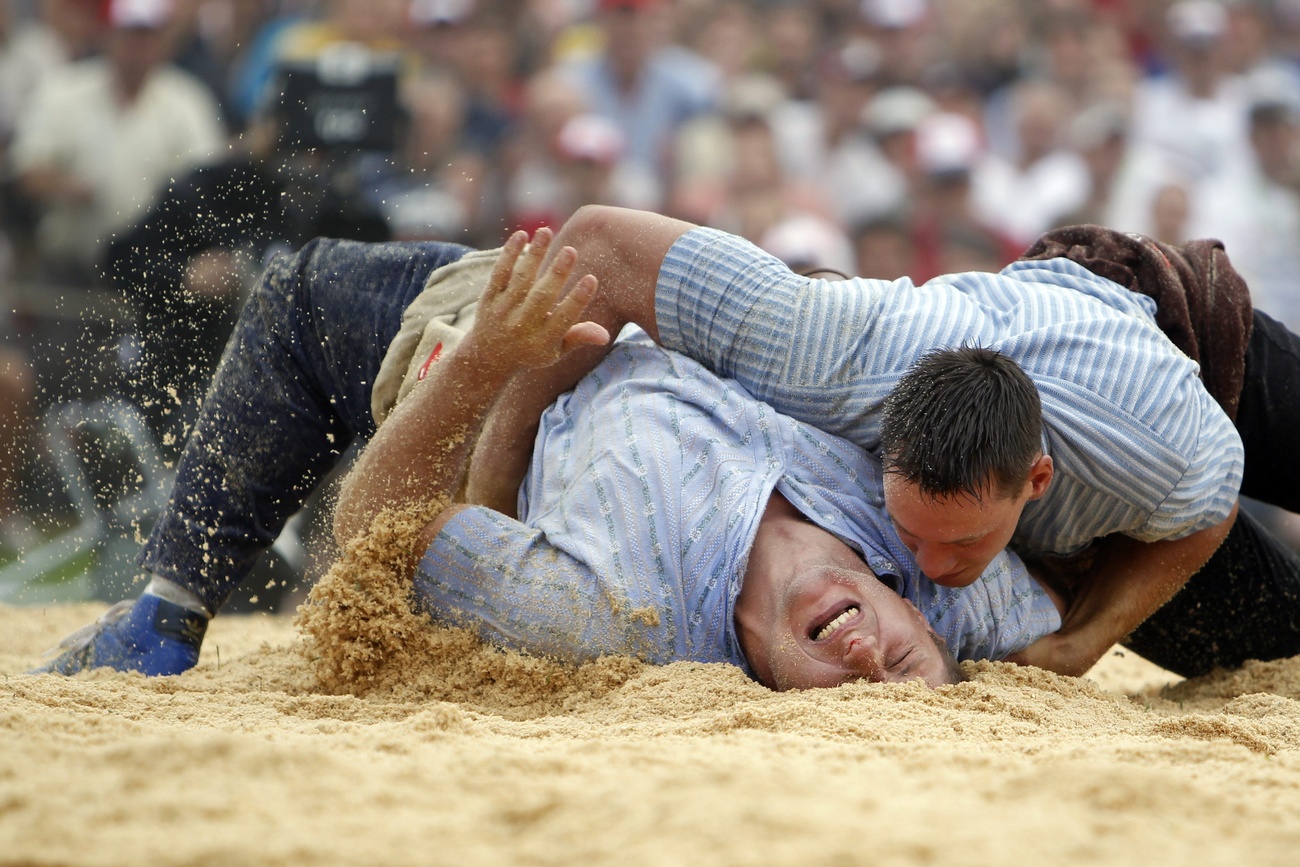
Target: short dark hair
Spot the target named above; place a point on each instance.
(961, 421)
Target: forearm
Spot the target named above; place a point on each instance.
(623, 249)
(420, 456)
(52, 185)
(504, 449)
(1129, 581)
(527, 321)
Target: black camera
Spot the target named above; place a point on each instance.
(344, 101)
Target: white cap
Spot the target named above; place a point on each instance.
(147, 14)
(947, 142)
(591, 137)
(1198, 20)
(1096, 125)
(897, 109)
(804, 240)
(892, 14)
(430, 13)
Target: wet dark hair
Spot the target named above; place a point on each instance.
(962, 421)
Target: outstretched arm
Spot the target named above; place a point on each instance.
(623, 250)
(1128, 583)
(526, 320)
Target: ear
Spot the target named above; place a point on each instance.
(1040, 476)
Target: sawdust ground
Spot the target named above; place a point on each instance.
(491, 758)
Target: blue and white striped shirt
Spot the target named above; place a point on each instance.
(646, 488)
(1139, 446)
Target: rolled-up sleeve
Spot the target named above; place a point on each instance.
(508, 583)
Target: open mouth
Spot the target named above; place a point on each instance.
(827, 628)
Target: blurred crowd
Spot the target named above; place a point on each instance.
(161, 150)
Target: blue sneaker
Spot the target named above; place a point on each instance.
(149, 635)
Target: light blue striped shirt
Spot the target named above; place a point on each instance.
(646, 488)
(1139, 446)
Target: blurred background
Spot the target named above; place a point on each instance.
(154, 154)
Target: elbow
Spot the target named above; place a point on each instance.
(587, 228)
(349, 520)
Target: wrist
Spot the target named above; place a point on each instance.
(474, 366)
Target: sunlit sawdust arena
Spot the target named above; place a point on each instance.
(480, 757)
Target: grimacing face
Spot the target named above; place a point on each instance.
(812, 614)
(955, 538)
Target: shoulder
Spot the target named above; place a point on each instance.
(174, 82)
(82, 79)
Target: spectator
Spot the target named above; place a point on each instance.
(879, 171)
(649, 87)
(1195, 115)
(945, 220)
(589, 166)
(726, 34)
(902, 30)
(185, 266)
(29, 52)
(762, 203)
(821, 144)
(212, 39)
(807, 243)
(1029, 194)
(1256, 212)
(882, 249)
(1170, 211)
(1250, 54)
(437, 189)
(103, 136)
(479, 49)
(1123, 175)
(534, 192)
(792, 43)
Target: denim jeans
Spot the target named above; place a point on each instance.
(291, 392)
(1245, 602)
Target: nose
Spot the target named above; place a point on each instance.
(934, 561)
(865, 656)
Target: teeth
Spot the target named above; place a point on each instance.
(836, 623)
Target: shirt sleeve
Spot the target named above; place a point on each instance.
(743, 314)
(1207, 491)
(37, 140)
(801, 345)
(505, 581)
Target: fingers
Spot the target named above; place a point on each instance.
(528, 294)
(505, 264)
(515, 274)
(523, 280)
(569, 308)
(584, 334)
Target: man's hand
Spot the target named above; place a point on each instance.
(1128, 582)
(421, 454)
(526, 321)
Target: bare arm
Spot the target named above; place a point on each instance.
(49, 184)
(1128, 583)
(421, 454)
(623, 249)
